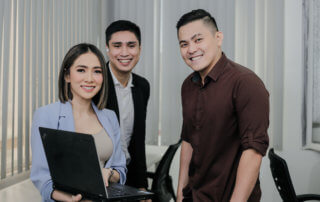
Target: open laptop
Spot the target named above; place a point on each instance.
(74, 167)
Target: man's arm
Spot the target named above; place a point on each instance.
(185, 158)
(247, 175)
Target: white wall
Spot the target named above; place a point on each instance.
(304, 165)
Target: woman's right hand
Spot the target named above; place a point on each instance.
(110, 175)
(63, 196)
(106, 174)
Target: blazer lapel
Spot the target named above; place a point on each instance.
(112, 102)
(66, 121)
(134, 91)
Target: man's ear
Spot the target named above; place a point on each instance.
(107, 50)
(219, 37)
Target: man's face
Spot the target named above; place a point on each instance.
(200, 46)
(124, 51)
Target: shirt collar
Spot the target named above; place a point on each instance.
(116, 81)
(215, 72)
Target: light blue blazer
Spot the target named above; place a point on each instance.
(59, 116)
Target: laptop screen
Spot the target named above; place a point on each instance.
(73, 162)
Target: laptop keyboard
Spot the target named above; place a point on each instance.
(117, 191)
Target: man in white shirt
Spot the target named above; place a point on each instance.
(128, 96)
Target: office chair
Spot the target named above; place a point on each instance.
(161, 180)
(282, 179)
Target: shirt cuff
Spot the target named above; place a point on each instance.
(47, 192)
(259, 142)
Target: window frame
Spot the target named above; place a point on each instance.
(309, 141)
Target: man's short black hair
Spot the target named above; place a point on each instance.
(122, 25)
(194, 15)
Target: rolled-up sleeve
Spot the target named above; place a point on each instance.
(252, 109)
(184, 132)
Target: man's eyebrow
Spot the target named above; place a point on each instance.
(131, 42)
(182, 41)
(196, 35)
(117, 43)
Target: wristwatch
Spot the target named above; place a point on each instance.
(111, 173)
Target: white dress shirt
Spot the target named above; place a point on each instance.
(126, 112)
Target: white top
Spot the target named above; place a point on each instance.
(126, 112)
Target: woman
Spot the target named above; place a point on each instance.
(83, 96)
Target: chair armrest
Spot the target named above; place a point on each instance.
(150, 175)
(308, 197)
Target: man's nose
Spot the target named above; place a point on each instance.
(124, 51)
(192, 48)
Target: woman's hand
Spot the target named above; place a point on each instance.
(110, 175)
(63, 196)
(107, 174)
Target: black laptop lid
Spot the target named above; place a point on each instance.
(68, 155)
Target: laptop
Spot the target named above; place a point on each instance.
(74, 167)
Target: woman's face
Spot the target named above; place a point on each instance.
(85, 77)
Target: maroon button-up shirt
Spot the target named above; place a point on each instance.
(222, 118)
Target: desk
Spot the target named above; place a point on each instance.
(154, 154)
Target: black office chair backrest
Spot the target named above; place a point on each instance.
(281, 177)
(162, 182)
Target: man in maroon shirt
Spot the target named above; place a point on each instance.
(225, 118)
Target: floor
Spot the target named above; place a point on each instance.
(26, 192)
(23, 191)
